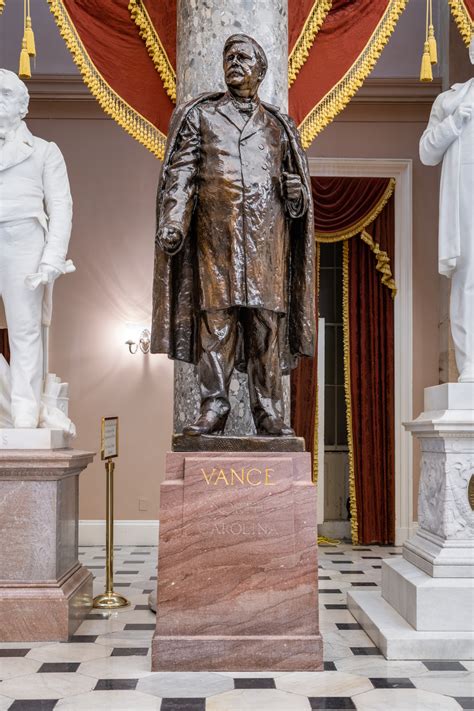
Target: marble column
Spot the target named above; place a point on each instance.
(203, 27)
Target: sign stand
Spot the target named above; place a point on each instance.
(109, 600)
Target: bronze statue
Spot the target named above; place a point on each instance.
(234, 261)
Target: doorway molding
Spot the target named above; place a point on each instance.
(401, 170)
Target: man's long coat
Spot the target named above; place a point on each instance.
(244, 245)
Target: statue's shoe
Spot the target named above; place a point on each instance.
(208, 422)
(274, 427)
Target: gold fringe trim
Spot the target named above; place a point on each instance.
(154, 46)
(383, 262)
(299, 53)
(347, 389)
(339, 96)
(117, 108)
(463, 20)
(316, 410)
(325, 541)
(2, 6)
(364, 222)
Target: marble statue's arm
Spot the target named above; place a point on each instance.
(180, 183)
(58, 204)
(438, 136)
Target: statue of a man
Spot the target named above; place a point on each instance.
(450, 138)
(35, 226)
(234, 264)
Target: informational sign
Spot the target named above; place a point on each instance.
(109, 437)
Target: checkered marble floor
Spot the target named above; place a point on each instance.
(106, 665)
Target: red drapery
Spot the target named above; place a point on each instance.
(126, 52)
(371, 362)
(359, 211)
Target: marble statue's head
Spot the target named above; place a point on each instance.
(14, 100)
(245, 65)
(471, 50)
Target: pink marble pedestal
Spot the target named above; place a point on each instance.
(45, 592)
(237, 564)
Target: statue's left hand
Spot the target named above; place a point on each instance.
(49, 273)
(291, 186)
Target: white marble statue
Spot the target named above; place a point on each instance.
(35, 227)
(450, 137)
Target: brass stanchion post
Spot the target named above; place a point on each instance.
(110, 600)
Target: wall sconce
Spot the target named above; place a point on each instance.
(139, 338)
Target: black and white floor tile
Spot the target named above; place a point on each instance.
(106, 665)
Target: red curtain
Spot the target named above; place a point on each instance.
(372, 385)
(344, 208)
(126, 52)
(4, 345)
(463, 13)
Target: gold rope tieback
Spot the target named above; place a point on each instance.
(383, 262)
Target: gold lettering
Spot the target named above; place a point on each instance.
(249, 472)
(221, 476)
(208, 478)
(233, 474)
(267, 477)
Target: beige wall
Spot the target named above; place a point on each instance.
(113, 181)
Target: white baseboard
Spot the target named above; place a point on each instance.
(126, 533)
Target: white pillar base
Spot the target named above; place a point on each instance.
(426, 607)
(397, 639)
(40, 438)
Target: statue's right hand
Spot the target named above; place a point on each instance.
(169, 239)
(462, 115)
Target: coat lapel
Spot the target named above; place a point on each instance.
(227, 109)
(18, 149)
(255, 123)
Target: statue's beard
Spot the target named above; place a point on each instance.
(8, 124)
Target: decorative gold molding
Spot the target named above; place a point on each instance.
(154, 46)
(299, 53)
(127, 117)
(347, 389)
(339, 96)
(463, 20)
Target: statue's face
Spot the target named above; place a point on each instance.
(242, 69)
(10, 104)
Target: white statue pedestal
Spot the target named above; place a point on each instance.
(40, 438)
(426, 607)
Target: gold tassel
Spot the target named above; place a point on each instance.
(24, 71)
(30, 38)
(432, 45)
(425, 73)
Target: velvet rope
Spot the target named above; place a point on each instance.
(463, 14)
